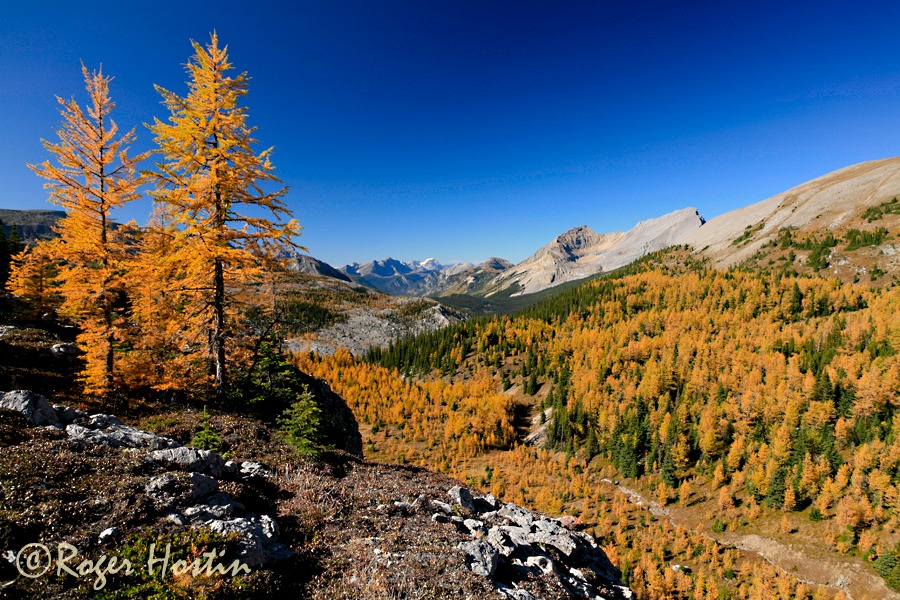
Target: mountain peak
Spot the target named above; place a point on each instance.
(577, 236)
(495, 264)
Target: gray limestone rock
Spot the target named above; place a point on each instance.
(514, 594)
(186, 458)
(109, 431)
(168, 487)
(481, 557)
(501, 541)
(541, 562)
(462, 497)
(258, 537)
(34, 406)
(253, 469)
(88, 437)
(473, 525)
(109, 535)
(563, 543)
(65, 349)
(517, 515)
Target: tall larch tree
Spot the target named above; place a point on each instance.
(92, 177)
(211, 188)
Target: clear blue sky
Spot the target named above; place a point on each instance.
(463, 129)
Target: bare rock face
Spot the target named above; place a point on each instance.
(303, 263)
(365, 327)
(185, 458)
(110, 431)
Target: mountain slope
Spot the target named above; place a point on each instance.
(576, 254)
(328, 527)
(32, 225)
(834, 203)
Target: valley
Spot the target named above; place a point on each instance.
(704, 353)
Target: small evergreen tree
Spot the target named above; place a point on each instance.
(300, 424)
(206, 437)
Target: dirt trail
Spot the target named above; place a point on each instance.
(811, 565)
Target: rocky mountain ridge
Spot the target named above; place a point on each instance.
(834, 202)
(415, 278)
(582, 252)
(298, 262)
(854, 200)
(575, 254)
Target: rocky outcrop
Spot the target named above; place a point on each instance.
(357, 529)
(303, 263)
(515, 548)
(186, 486)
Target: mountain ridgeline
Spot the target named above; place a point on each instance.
(844, 224)
(576, 254)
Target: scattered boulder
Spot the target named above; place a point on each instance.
(474, 526)
(185, 458)
(481, 558)
(64, 350)
(109, 535)
(34, 406)
(253, 469)
(169, 488)
(258, 537)
(517, 515)
(462, 497)
(110, 431)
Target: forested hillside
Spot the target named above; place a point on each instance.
(756, 398)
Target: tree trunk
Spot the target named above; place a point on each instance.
(219, 334)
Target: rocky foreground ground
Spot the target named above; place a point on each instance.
(79, 487)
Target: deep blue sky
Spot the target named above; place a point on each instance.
(464, 129)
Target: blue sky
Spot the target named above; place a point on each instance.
(465, 129)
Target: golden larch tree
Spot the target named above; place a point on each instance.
(34, 277)
(211, 188)
(93, 176)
